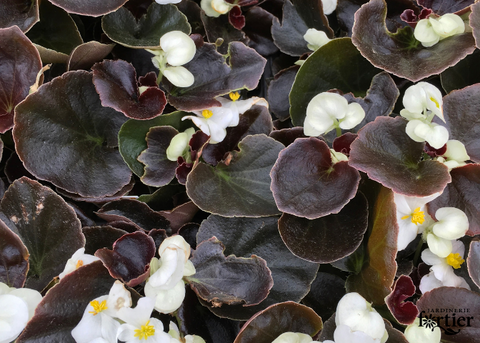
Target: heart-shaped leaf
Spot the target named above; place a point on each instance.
(228, 280)
(388, 155)
(91, 8)
(337, 64)
(462, 116)
(46, 225)
(116, 83)
(400, 53)
(244, 237)
(462, 193)
(159, 170)
(19, 67)
(17, 12)
(246, 175)
(306, 183)
(13, 258)
(329, 238)
(63, 306)
(215, 77)
(270, 323)
(375, 280)
(130, 258)
(66, 116)
(122, 27)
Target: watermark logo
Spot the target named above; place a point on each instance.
(451, 321)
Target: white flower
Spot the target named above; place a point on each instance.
(239, 106)
(177, 49)
(293, 337)
(316, 39)
(98, 321)
(327, 111)
(175, 333)
(78, 259)
(431, 30)
(455, 156)
(179, 144)
(344, 334)
(213, 122)
(337, 156)
(166, 301)
(329, 6)
(442, 269)
(432, 133)
(359, 315)
(165, 2)
(139, 327)
(214, 8)
(414, 333)
(412, 217)
(452, 224)
(420, 100)
(17, 307)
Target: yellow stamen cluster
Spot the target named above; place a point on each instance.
(435, 101)
(455, 260)
(79, 264)
(145, 331)
(98, 307)
(234, 96)
(207, 114)
(418, 217)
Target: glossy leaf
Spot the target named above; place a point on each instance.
(116, 83)
(404, 312)
(122, 27)
(329, 238)
(131, 137)
(375, 280)
(337, 64)
(215, 77)
(473, 262)
(462, 74)
(246, 175)
(278, 91)
(66, 116)
(442, 7)
(451, 299)
(270, 323)
(385, 152)
(462, 193)
(134, 212)
(130, 258)
(63, 306)
(400, 53)
(462, 115)
(98, 237)
(159, 170)
(306, 183)
(56, 30)
(19, 68)
(244, 237)
(91, 8)
(258, 24)
(18, 12)
(228, 280)
(85, 55)
(13, 258)
(46, 225)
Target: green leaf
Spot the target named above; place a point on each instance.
(228, 280)
(48, 227)
(337, 64)
(241, 187)
(64, 135)
(122, 27)
(131, 137)
(375, 280)
(400, 53)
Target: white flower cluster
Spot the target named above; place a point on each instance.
(444, 252)
(433, 29)
(17, 306)
(78, 259)
(327, 111)
(214, 121)
(111, 317)
(356, 321)
(177, 49)
(422, 102)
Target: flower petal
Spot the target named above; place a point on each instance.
(166, 301)
(179, 48)
(452, 223)
(179, 76)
